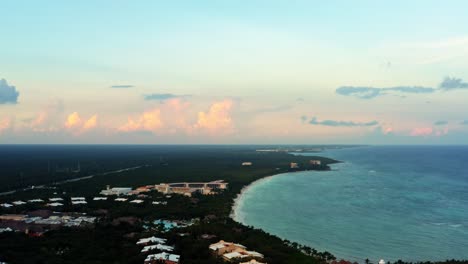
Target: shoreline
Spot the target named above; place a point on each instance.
(236, 201)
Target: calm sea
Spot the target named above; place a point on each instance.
(402, 202)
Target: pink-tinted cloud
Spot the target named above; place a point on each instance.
(76, 125)
(428, 131)
(5, 124)
(73, 120)
(148, 121)
(421, 131)
(49, 118)
(217, 120)
(90, 123)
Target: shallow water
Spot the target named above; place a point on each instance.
(407, 203)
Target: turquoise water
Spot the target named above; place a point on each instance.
(407, 203)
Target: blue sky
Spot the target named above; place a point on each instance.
(234, 72)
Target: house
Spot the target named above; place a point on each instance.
(121, 199)
(6, 205)
(18, 202)
(55, 204)
(157, 246)
(231, 251)
(99, 198)
(146, 241)
(116, 191)
(252, 261)
(78, 199)
(163, 257)
(55, 199)
(223, 247)
(137, 201)
(247, 163)
(315, 162)
(294, 165)
(36, 201)
(79, 202)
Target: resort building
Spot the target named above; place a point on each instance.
(294, 165)
(230, 251)
(146, 241)
(247, 163)
(252, 261)
(315, 162)
(157, 246)
(116, 191)
(188, 188)
(163, 257)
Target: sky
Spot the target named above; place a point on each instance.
(234, 72)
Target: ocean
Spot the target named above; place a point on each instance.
(382, 202)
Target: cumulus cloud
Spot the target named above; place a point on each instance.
(76, 125)
(122, 86)
(440, 123)
(372, 92)
(421, 131)
(333, 123)
(8, 93)
(162, 97)
(49, 118)
(149, 121)
(428, 131)
(5, 124)
(217, 120)
(451, 83)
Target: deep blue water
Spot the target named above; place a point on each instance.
(403, 202)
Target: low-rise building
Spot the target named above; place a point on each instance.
(247, 163)
(315, 162)
(294, 165)
(230, 251)
(116, 191)
(253, 261)
(163, 257)
(157, 246)
(188, 188)
(149, 240)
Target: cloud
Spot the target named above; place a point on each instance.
(5, 124)
(421, 131)
(76, 125)
(122, 86)
(440, 123)
(149, 121)
(428, 131)
(217, 120)
(8, 94)
(364, 92)
(90, 123)
(274, 109)
(73, 120)
(162, 97)
(372, 92)
(450, 83)
(334, 123)
(465, 122)
(49, 118)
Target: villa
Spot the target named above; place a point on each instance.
(157, 246)
(252, 261)
(146, 241)
(163, 257)
(231, 251)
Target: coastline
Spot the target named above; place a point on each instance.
(237, 200)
